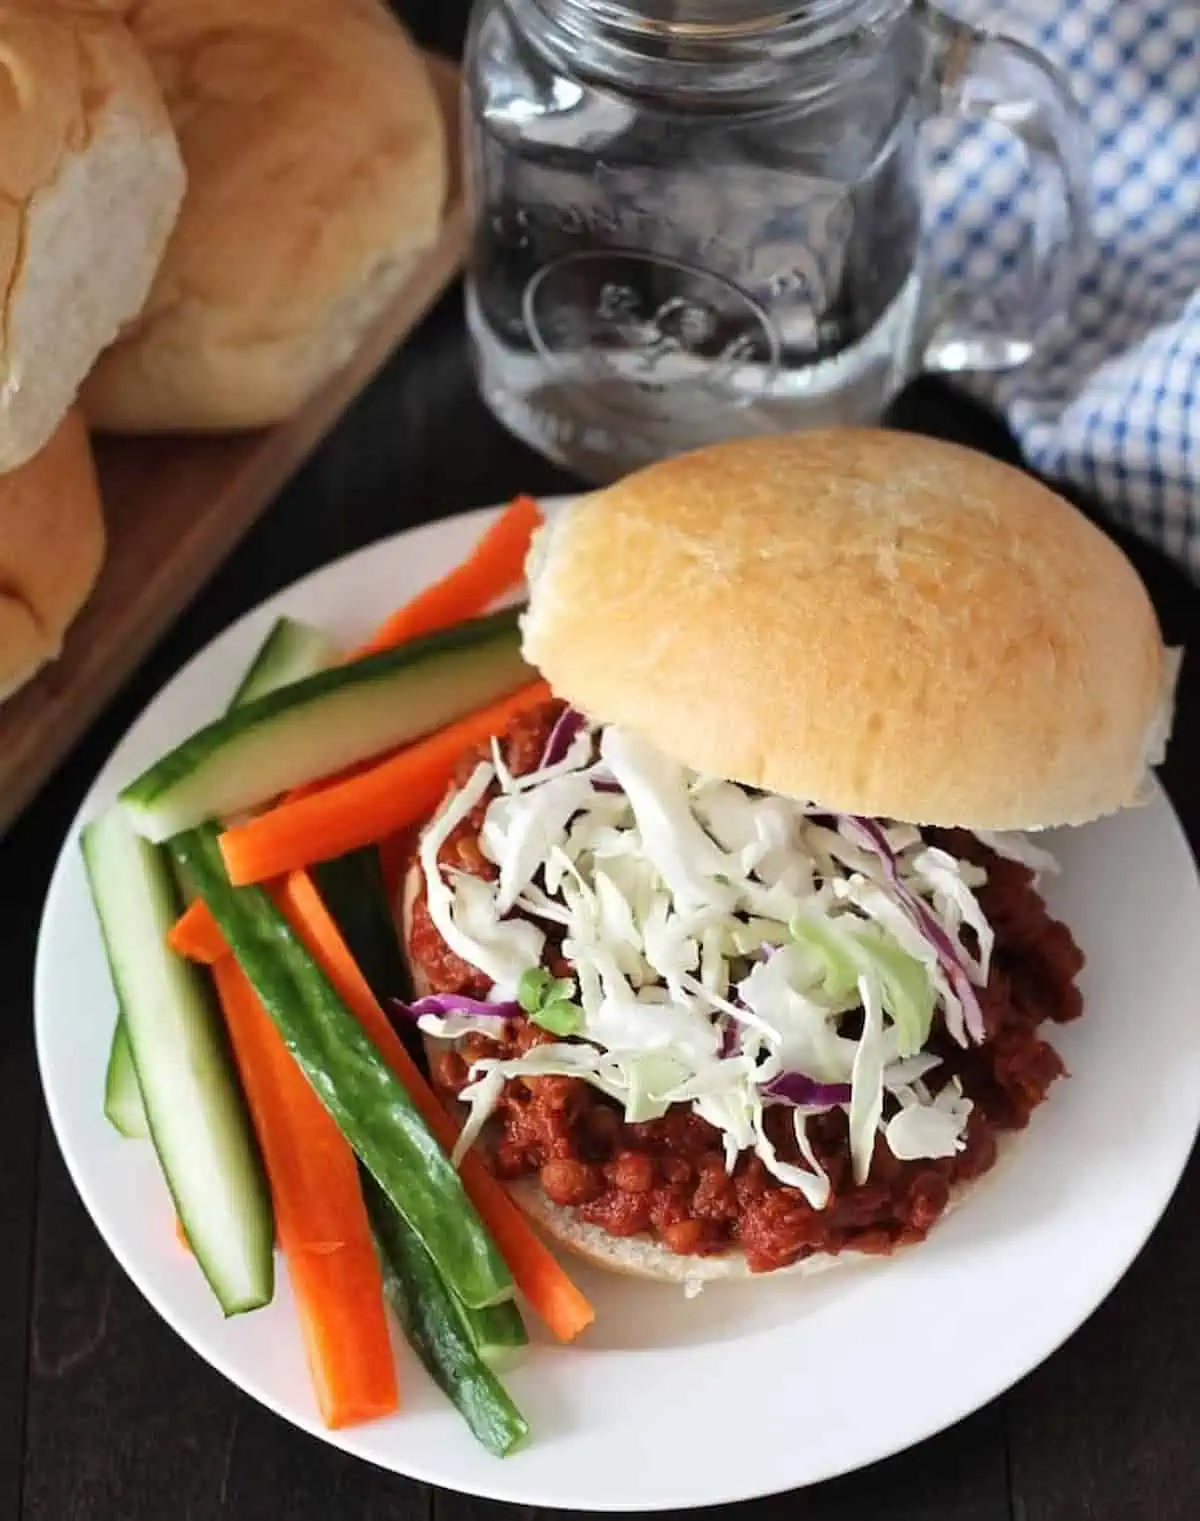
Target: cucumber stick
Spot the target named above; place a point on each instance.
(123, 1107)
(327, 722)
(291, 651)
(371, 1107)
(351, 887)
(497, 1332)
(353, 891)
(193, 1104)
(434, 1323)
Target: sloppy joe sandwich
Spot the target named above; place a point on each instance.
(734, 954)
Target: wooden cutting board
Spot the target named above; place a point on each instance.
(175, 508)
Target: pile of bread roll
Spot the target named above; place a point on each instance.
(204, 204)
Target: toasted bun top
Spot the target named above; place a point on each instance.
(880, 623)
(51, 548)
(90, 183)
(317, 171)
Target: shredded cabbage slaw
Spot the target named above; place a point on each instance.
(732, 950)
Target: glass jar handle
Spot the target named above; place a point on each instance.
(980, 76)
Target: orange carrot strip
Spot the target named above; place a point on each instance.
(319, 783)
(195, 935)
(181, 1235)
(342, 1319)
(397, 792)
(494, 566)
(303, 1150)
(320, 1215)
(535, 1270)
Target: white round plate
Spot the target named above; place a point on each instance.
(803, 1380)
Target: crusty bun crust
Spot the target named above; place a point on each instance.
(90, 184)
(51, 549)
(879, 623)
(316, 175)
(640, 1256)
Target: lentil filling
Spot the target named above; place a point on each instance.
(667, 1178)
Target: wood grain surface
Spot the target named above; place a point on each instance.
(175, 507)
(106, 1416)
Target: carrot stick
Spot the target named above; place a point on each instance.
(320, 1215)
(343, 1321)
(397, 792)
(535, 1270)
(181, 1235)
(309, 1165)
(196, 936)
(494, 566)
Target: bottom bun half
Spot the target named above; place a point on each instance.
(641, 1256)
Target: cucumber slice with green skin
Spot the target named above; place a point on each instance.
(193, 1102)
(434, 1324)
(327, 722)
(123, 1107)
(352, 889)
(497, 1333)
(370, 1105)
(291, 651)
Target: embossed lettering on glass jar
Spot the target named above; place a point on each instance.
(700, 219)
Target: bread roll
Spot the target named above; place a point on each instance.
(316, 175)
(90, 184)
(880, 623)
(51, 549)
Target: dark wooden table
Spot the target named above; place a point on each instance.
(106, 1416)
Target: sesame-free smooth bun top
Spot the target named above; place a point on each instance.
(877, 622)
(317, 173)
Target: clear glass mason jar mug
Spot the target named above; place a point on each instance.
(702, 218)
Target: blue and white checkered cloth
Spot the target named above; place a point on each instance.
(1112, 403)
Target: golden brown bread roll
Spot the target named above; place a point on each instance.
(90, 183)
(51, 549)
(316, 175)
